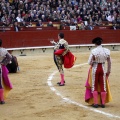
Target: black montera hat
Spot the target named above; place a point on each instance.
(61, 35)
(97, 41)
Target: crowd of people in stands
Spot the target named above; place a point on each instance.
(68, 12)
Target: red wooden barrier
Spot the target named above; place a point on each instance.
(42, 38)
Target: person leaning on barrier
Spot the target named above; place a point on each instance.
(16, 27)
(39, 23)
(50, 24)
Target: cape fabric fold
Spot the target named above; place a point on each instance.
(59, 52)
(7, 85)
(88, 92)
(69, 60)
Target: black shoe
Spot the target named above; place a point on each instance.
(95, 105)
(60, 82)
(2, 102)
(103, 106)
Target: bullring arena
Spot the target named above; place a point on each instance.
(27, 27)
(36, 96)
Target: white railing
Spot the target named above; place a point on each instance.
(78, 45)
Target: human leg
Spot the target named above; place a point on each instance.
(59, 63)
(95, 77)
(103, 98)
(1, 96)
(55, 61)
(1, 89)
(102, 82)
(103, 90)
(95, 98)
(62, 80)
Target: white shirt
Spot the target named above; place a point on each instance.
(19, 19)
(110, 18)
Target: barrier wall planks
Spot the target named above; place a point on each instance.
(42, 38)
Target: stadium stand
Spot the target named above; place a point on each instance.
(71, 12)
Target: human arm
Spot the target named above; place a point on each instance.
(6, 59)
(66, 49)
(91, 59)
(53, 42)
(108, 66)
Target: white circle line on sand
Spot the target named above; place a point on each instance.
(73, 102)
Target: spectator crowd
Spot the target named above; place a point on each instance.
(68, 12)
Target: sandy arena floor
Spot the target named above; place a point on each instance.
(34, 98)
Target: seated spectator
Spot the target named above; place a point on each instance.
(100, 22)
(111, 18)
(30, 24)
(62, 25)
(19, 18)
(36, 18)
(23, 24)
(43, 18)
(13, 18)
(85, 22)
(39, 23)
(79, 19)
(16, 27)
(115, 26)
(96, 23)
(50, 24)
(55, 16)
(82, 26)
(68, 23)
(118, 19)
(74, 20)
(90, 26)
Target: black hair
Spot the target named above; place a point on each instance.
(97, 41)
(0, 42)
(61, 35)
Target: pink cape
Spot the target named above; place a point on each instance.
(7, 85)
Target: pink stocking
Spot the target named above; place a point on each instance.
(1, 95)
(62, 79)
(103, 97)
(95, 97)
